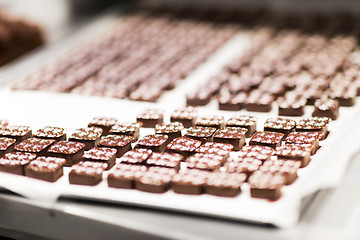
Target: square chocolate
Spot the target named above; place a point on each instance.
(34, 145)
(150, 117)
(299, 152)
(172, 130)
(183, 145)
(54, 133)
(16, 162)
(189, 181)
(291, 107)
(105, 123)
(170, 160)
(300, 138)
(231, 135)
(267, 139)
(3, 123)
(87, 173)
(287, 168)
(266, 185)
(346, 96)
(127, 128)
(205, 161)
(136, 156)
(213, 121)
(98, 154)
(326, 108)
(123, 175)
(256, 151)
(246, 165)
(259, 101)
(155, 180)
(222, 149)
(156, 143)
(231, 102)
(314, 124)
(122, 143)
(244, 121)
(88, 136)
(224, 184)
(71, 151)
(45, 168)
(186, 116)
(281, 125)
(203, 134)
(19, 133)
(6, 145)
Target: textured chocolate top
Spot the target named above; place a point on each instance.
(151, 114)
(303, 137)
(98, 153)
(231, 132)
(212, 120)
(204, 161)
(193, 177)
(184, 144)
(125, 128)
(326, 104)
(17, 158)
(66, 147)
(201, 132)
(165, 159)
(225, 180)
(238, 165)
(4, 123)
(46, 164)
(115, 140)
(138, 155)
(267, 137)
(314, 123)
(215, 148)
(127, 171)
(88, 168)
(156, 176)
(5, 143)
(281, 166)
(153, 140)
(265, 180)
(50, 132)
(15, 131)
(34, 145)
(259, 97)
(169, 127)
(90, 134)
(280, 123)
(293, 151)
(185, 113)
(103, 121)
(241, 120)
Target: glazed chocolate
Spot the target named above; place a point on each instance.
(170, 160)
(205, 161)
(262, 153)
(35, 145)
(54, 133)
(267, 139)
(156, 143)
(266, 185)
(259, 101)
(6, 145)
(155, 180)
(186, 116)
(105, 123)
(326, 108)
(183, 145)
(70, 151)
(136, 156)
(287, 168)
(231, 135)
(15, 162)
(19, 133)
(172, 130)
(88, 136)
(203, 134)
(224, 184)
(189, 181)
(45, 168)
(122, 143)
(150, 117)
(104, 155)
(311, 138)
(123, 175)
(244, 121)
(222, 149)
(295, 152)
(87, 173)
(281, 125)
(213, 121)
(129, 129)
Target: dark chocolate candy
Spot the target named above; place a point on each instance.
(150, 117)
(136, 156)
(123, 175)
(311, 138)
(203, 134)
(281, 125)
(156, 143)
(266, 185)
(16, 162)
(345, 96)
(262, 153)
(189, 181)
(155, 180)
(231, 102)
(268, 139)
(45, 168)
(98, 154)
(6, 145)
(287, 168)
(205, 161)
(222, 149)
(170, 160)
(71, 151)
(19, 133)
(186, 116)
(89, 136)
(314, 124)
(127, 128)
(34, 145)
(291, 107)
(326, 108)
(244, 121)
(87, 173)
(246, 165)
(55, 133)
(259, 101)
(122, 143)
(213, 121)
(231, 135)
(295, 152)
(172, 130)
(105, 123)
(224, 184)
(183, 145)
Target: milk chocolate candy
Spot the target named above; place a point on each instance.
(45, 168)
(203, 134)
(244, 121)
(155, 180)
(231, 135)
(136, 156)
(6, 145)
(104, 155)
(90, 137)
(70, 151)
(266, 185)
(287, 168)
(123, 175)
(224, 184)
(281, 125)
(122, 143)
(156, 143)
(105, 123)
(170, 160)
(34, 145)
(326, 108)
(19, 133)
(189, 181)
(127, 128)
(183, 145)
(54, 133)
(150, 117)
(268, 139)
(87, 173)
(15, 162)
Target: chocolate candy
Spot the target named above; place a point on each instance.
(231, 135)
(295, 152)
(189, 181)
(136, 156)
(88, 136)
(224, 184)
(87, 173)
(311, 138)
(186, 116)
(246, 165)
(16, 162)
(183, 145)
(203, 134)
(268, 139)
(105, 123)
(3, 123)
(34, 145)
(291, 106)
(345, 96)
(213, 121)
(150, 117)
(156, 143)
(123, 175)
(54, 133)
(45, 168)
(222, 149)
(71, 151)
(281, 125)
(266, 185)
(255, 151)
(155, 180)
(6, 145)
(170, 160)
(231, 102)
(315, 124)
(259, 101)
(326, 108)
(287, 168)
(98, 154)
(122, 143)
(172, 130)
(205, 161)
(19, 133)
(244, 121)
(129, 129)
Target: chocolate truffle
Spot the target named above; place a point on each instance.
(231, 135)
(87, 173)
(71, 151)
(105, 123)
(122, 143)
(16, 162)
(89, 136)
(45, 168)
(54, 133)
(267, 139)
